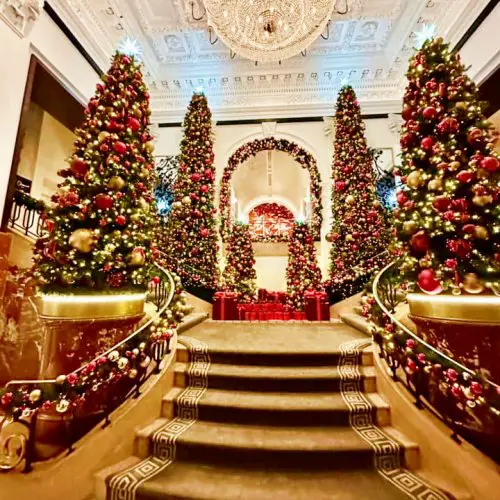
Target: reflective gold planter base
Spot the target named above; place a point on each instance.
(88, 307)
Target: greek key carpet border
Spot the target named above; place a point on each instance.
(387, 450)
(124, 486)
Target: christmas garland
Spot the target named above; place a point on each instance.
(130, 360)
(270, 218)
(250, 149)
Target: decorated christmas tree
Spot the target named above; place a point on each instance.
(99, 229)
(302, 272)
(449, 211)
(239, 274)
(358, 233)
(191, 242)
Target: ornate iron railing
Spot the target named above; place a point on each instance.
(20, 446)
(463, 398)
(25, 215)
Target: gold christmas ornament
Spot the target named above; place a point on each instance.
(472, 284)
(481, 232)
(132, 373)
(143, 204)
(186, 200)
(176, 205)
(454, 165)
(62, 406)
(349, 199)
(122, 363)
(103, 136)
(349, 237)
(410, 227)
(113, 356)
(414, 180)
(150, 147)
(435, 185)
(35, 395)
(82, 240)
(137, 257)
(483, 200)
(61, 379)
(116, 183)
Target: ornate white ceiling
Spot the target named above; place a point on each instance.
(369, 46)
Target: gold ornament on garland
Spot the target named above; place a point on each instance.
(472, 284)
(414, 180)
(83, 240)
(116, 183)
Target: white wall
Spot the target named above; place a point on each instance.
(482, 51)
(313, 137)
(58, 54)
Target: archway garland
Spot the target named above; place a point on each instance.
(250, 149)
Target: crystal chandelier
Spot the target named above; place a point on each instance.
(268, 30)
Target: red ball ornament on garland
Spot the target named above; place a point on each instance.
(121, 220)
(429, 113)
(79, 167)
(204, 232)
(448, 126)
(103, 201)
(120, 147)
(196, 177)
(407, 112)
(420, 242)
(134, 124)
(441, 203)
(465, 176)
(427, 143)
(428, 282)
(475, 137)
(490, 163)
(204, 188)
(401, 198)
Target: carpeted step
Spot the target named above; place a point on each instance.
(279, 447)
(274, 378)
(270, 357)
(271, 408)
(184, 480)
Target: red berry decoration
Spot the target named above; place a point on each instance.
(490, 163)
(121, 220)
(103, 201)
(429, 113)
(428, 282)
(79, 168)
(420, 242)
(427, 143)
(134, 124)
(120, 147)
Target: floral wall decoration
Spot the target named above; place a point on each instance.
(250, 149)
(270, 222)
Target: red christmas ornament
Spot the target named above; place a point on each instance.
(429, 113)
(428, 282)
(156, 280)
(204, 188)
(426, 143)
(475, 137)
(465, 176)
(134, 124)
(79, 167)
(407, 112)
(340, 185)
(121, 220)
(126, 60)
(401, 198)
(120, 147)
(196, 177)
(490, 163)
(103, 201)
(451, 263)
(113, 126)
(448, 126)
(420, 242)
(469, 228)
(50, 225)
(441, 203)
(204, 232)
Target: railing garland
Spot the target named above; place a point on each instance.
(129, 360)
(463, 398)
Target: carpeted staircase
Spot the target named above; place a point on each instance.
(281, 411)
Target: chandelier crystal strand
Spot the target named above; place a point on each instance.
(268, 30)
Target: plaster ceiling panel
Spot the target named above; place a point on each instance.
(369, 46)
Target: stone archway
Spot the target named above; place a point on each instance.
(250, 149)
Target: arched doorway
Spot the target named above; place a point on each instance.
(252, 148)
(270, 222)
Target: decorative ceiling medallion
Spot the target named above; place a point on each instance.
(268, 30)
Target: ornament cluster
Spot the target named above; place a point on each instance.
(239, 274)
(270, 222)
(448, 215)
(191, 238)
(358, 234)
(302, 272)
(98, 231)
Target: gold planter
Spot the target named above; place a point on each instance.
(477, 309)
(89, 307)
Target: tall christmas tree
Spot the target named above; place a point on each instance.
(239, 274)
(302, 272)
(358, 233)
(191, 242)
(99, 229)
(448, 217)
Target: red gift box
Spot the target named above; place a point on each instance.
(297, 315)
(262, 315)
(317, 306)
(278, 315)
(262, 295)
(225, 307)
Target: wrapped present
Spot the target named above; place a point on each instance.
(281, 297)
(224, 306)
(287, 315)
(317, 307)
(242, 310)
(278, 315)
(262, 295)
(262, 315)
(297, 315)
